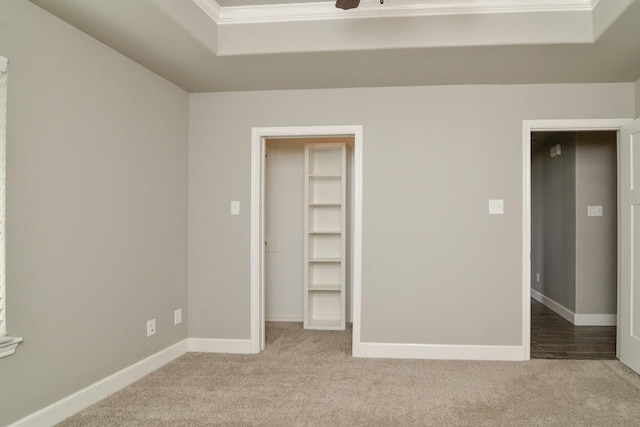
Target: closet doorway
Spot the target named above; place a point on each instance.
(284, 229)
(277, 225)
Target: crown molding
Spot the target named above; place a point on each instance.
(326, 10)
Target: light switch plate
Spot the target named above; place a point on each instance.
(594, 210)
(496, 207)
(235, 207)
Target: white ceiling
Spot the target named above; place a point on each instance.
(204, 45)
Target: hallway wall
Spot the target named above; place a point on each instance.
(596, 236)
(553, 220)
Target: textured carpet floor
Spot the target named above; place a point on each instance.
(308, 378)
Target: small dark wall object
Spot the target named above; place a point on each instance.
(347, 4)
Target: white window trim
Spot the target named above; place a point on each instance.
(8, 344)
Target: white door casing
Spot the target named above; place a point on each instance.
(263, 156)
(629, 256)
(567, 125)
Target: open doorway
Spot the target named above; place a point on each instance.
(260, 136)
(308, 263)
(574, 225)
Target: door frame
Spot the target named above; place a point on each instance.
(566, 125)
(259, 136)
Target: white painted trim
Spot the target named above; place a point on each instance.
(76, 402)
(554, 306)
(215, 345)
(574, 124)
(283, 318)
(442, 352)
(258, 136)
(575, 318)
(526, 239)
(595, 319)
(4, 62)
(262, 234)
(257, 245)
(326, 10)
(356, 248)
(7, 349)
(529, 126)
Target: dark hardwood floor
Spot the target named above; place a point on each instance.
(553, 337)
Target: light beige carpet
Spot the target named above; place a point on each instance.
(308, 378)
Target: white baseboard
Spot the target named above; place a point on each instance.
(441, 352)
(283, 318)
(293, 318)
(211, 345)
(78, 401)
(551, 304)
(596, 320)
(576, 319)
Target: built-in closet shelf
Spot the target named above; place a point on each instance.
(325, 222)
(325, 288)
(331, 260)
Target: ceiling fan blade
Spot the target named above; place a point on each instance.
(347, 4)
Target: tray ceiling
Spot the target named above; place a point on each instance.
(204, 45)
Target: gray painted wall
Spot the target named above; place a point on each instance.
(96, 210)
(596, 236)
(437, 268)
(553, 220)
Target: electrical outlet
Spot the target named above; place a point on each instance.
(537, 277)
(151, 327)
(177, 316)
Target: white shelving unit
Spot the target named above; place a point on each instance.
(324, 235)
